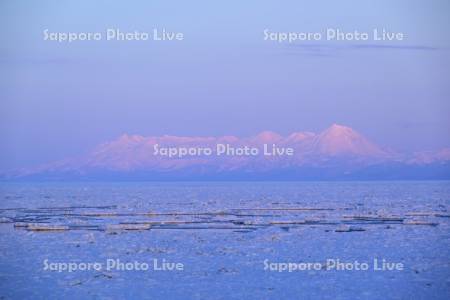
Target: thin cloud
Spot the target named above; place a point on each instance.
(332, 50)
(396, 47)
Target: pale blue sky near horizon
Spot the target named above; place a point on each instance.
(61, 99)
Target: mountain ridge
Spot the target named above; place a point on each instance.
(338, 150)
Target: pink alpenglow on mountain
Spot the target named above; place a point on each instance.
(267, 137)
(299, 137)
(341, 140)
(338, 150)
(428, 157)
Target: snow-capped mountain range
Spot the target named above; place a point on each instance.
(339, 152)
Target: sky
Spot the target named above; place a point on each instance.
(59, 100)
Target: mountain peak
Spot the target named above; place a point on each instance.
(339, 129)
(300, 136)
(335, 125)
(268, 136)
(128, 138)
(343, 140)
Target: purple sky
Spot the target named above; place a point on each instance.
(59, 100)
